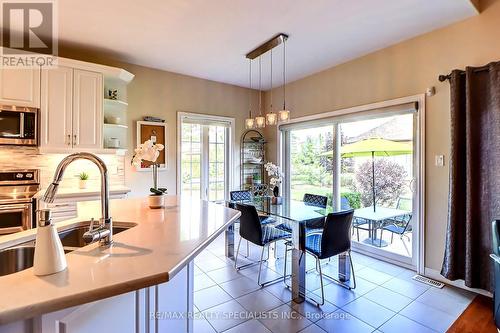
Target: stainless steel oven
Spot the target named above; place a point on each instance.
(18, 126)
(17, 189)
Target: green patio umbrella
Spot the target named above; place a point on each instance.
(373, 147)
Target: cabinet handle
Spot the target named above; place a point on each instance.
(69, 140)
(74, 138)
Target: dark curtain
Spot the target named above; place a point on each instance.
(474, 194)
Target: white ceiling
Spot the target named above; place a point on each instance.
(209, 38)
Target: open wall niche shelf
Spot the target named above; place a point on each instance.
(115, 129)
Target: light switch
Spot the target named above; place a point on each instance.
(439, 160)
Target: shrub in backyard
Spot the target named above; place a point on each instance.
(389, 182)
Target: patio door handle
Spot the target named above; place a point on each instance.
(412, 185)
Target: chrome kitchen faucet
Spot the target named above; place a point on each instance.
(104, 232)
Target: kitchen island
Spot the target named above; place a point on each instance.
(132, 286)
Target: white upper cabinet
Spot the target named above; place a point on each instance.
(56, 108)
(71, 110)
(20, 87)
(87, 109)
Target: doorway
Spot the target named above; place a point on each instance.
(369, 161)
(204, 158)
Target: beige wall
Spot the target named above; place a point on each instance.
(160, 93)
(402, 70)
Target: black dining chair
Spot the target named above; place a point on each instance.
(259, 234)
(246, 196)
(240, 196)
(335, 239)
(319, 201)
(315, 200)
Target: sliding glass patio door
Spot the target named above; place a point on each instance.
(368, 162)
(204, 157)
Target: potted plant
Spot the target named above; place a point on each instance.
(83, 178)
(149, 151)
(275, 179)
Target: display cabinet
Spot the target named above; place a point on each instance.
(252, 158)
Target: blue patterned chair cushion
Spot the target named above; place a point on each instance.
(313, 243)
(285, 226)
(266, 219)
(270, 233)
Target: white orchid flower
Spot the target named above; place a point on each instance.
(148, 151)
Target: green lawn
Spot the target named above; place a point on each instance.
(298, 191)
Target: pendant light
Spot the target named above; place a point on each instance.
(271, 117)
(250, 122)
(260, 120)
(284, 114)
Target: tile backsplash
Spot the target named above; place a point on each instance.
(29, 158)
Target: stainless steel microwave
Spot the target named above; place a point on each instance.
(18, 126)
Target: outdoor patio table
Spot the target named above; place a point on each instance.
(375, 219)
(297, 214)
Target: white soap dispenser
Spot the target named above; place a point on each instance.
(49, 252)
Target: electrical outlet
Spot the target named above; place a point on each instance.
(439, 160)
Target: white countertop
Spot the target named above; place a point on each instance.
(161, 244)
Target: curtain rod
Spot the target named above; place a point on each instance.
(443, 78)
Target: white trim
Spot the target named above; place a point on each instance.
(420, 173)
(421, 184)
(230, 145)
(434, 274)
(162, 167)
(379, 254)
(356, 109)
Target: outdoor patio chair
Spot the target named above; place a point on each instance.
(359, 224)
(400, 225)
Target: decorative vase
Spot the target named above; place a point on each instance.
(276, 191)
(82, 184)
(276, 199)
(156, 201)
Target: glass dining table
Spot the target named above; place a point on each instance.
(296, 214)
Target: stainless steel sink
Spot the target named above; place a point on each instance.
(16, 259)
(20, 257)
(73, 238)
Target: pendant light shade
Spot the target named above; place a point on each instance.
(249, 122)
(260, 122)
(284, 114)
(271, 117)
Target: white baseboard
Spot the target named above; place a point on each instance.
(433, 274)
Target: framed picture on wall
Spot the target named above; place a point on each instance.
(156, 132)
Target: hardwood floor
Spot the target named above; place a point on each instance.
(477, 318)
